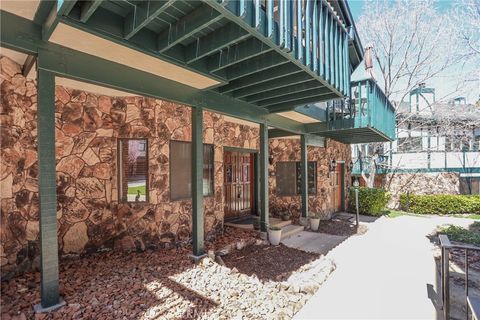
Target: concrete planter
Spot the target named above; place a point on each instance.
(274, 236)
(314, 223)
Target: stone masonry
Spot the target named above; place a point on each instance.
(90, 217)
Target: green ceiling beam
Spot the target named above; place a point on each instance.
(187, 26)
(288, 106)
(237, 53)
(295, 97)
(278, 133)
(251, 66)
(88, 8)
(276, 83)
(60, 8)
(144, 13)
(214, 41)
(281, 71)
(313, 84)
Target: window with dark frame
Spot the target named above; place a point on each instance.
(288, 176)
(181, 170)
(133, 170)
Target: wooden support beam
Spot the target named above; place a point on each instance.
(187, 26)
(288, 106)
(60, 8)
(232, 55)
(251, 66)
(28, 65)
(260, 77)
(88, 8)
(47, 188)
(277, 83)
(216, 40)
(299, 45)
(278, 133)
(197, 182)
(264, 210)
(295, 97)
(142, 14)
(313, 84)
(304, 174)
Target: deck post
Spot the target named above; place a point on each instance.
(197, 182)
(49, 292)
(263, 177)
(304, 174)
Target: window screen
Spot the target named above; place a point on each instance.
(181, 170)
(133, 168)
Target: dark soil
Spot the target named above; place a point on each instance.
(340, 227)
(268, 262)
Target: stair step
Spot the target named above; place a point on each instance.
(279, 223)
(291, 230)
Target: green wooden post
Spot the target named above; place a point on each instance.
(197, 181)
(304, 174)
(47, 190)
(263, 176)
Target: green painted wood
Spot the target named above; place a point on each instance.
(321, 35)
(144, 13)
(269, 76)
(227, 35)
(315, 37)
(278, 133)
(258, 64)
(285, 91)
(326, 30)
(288, 106)
(88, 9)
(304, 174)
(315, 141)
(308, 31)
(289, 44)
(47, 188)
(293, 97)
(256, 9)
(281, 24)
(60, 8)
(197, 182)
(277, 121)
(264, 210)
(276, 83)
(187, 26)
(269, 20)
(232, 55)
(299, 46)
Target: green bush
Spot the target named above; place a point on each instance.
(371, 201)
(440, 203)
(456, 233)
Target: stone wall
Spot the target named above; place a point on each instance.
(90, 218)
(420, 183)
(322, 203)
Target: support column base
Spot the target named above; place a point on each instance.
(195, 258)
(39, 309)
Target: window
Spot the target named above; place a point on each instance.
(288, 175)
(181, 170)
(133, 170)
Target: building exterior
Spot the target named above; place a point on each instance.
(141, 125)
(437, 148)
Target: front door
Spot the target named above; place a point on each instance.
(338, 187)
(238, 183)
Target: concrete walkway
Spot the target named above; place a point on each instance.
(384, 274)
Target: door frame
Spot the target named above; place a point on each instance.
(342, 184)
(256, 179)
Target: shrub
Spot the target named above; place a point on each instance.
(440, 203)
(371, 201)
(470, 235)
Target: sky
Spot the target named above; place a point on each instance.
(443, 84)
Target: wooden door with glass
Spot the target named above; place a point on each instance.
(238, 183)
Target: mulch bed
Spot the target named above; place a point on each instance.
(268, 262)
(340, 227)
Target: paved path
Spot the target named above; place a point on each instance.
(383, 274)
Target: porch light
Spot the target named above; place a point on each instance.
(333, 165)
(350, 166)
(270, 159)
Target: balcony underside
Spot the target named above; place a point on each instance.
(222, 47)
(355, 135)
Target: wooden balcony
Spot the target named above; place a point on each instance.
(272, 54)
(367, 116)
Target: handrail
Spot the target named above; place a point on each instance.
(446, 246)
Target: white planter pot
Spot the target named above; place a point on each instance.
(274, 236)
(314, 223)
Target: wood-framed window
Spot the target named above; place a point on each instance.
(133, 170)
(288, 176)
(181, 170)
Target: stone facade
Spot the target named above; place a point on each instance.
(322, 202)
(420, 183)
(90, 217)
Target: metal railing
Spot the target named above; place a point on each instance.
(446, 246)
